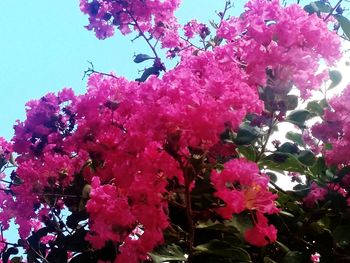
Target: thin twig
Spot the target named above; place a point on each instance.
(59, 195)
(189, 214)
(331, 12)
(263, 148)
(142, 33)
(91, 70)
(277, 187)
(10, 244)
(223, 13)
(191, 44)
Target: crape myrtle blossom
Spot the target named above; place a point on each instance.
(6, 201)
(334, 132)
(129, 133)
(284, 40)
(193, 27)
(315, 258)
(336, 129)
(241, 180)
(319, 194)
(242, 187)
(125, 141)
(261, 234)
(153, 16)
(315, 195)
(5, 151)
(160, 113)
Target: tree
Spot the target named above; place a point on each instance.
(178, 165)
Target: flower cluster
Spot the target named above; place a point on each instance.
(152, 126)
(285, 40)
(335, 129)
(334, 133)
(124, 152)
(241, 186)
(127, 139)
(193, 28)
(5, 151)
(6, 200)
(152, 16)
(316, 194)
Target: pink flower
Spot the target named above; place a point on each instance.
(261, 234)
(315, 258)
(269, 36)
(154, 17)
(241, 187)
(316, 194)
(192, 28)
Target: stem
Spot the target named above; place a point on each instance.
(263, 148)
(222, 16)
(91, 70)
(191, 44)
(190, 240)
(5, 181)
(187, 172)
(142, 33)
(277, 187)
(331, 12)
(59, 195)
(10, 244)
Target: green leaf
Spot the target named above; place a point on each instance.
(57, 255)
(142, 57)
(298, 117)
(223, 249)
(288, 147)
(336, 77)
(246, 134)
(344, 23)
(301, 190)
(324, 103)
(238, 224)
(315, 108)
(272, 176)
(344, 171)
(319, 167)
(167, 253)
(307, 157)
(248, 152)
(213, 24)
(295, 257)
(16, 260)
(86, 257)
(268, 260)
(268, 97)
(282, 162)
(317, 7)
(341, 235)
(291, 102)
(148, 72)
(286, 214)
(296, 138)
(328, 146)
(283, 246)
(7, 253)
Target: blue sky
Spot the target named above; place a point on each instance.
(44, 47)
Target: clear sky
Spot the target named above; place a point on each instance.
(44, 47)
